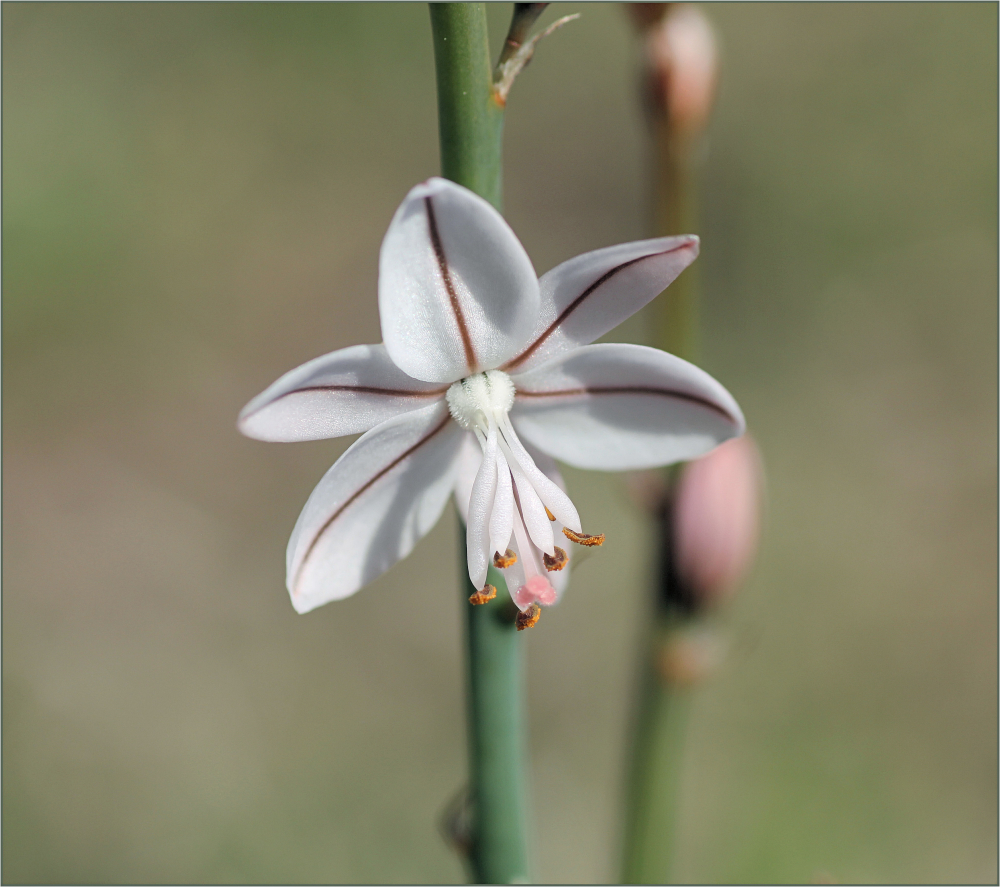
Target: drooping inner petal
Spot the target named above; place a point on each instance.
(502, 518)
(514, 508)
(530, 583)
(480, 511)
(532, 512)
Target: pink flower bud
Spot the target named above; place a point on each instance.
(645, 15)
(716, 519)
(683, 62)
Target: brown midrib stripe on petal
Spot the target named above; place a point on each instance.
(572, 306)
(340, 510)
(364, 389)
(449, 285)
(634, 389)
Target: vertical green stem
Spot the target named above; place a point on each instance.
(471, 130)
(497, 759)
(675, 212)
(662, 706)
(470, 122)
(654, 778)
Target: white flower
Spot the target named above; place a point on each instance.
(484, 374)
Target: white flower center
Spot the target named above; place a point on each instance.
(477, 400)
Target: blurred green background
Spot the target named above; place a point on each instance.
(194, 197)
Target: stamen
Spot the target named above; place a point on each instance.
(551, 516)
(502, 561)
(528, 618)
(583, 538)
(481, 597)
(555, 563)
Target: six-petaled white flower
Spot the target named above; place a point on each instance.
(485, 374)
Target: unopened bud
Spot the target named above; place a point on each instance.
(683, 67)
(716, 519)
(645, 15)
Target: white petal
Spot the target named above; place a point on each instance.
(477, 531)
(470, 457)
(587, 296)
(369, 510)
(514, 574)
(345, 392)
(548, 467)
(546, 464)
(502, 518)
(456, 291)
(536, 521)
(552, 496)
(617, 407)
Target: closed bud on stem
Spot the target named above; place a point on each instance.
(646, 15)
(716, 520)
(682, 68)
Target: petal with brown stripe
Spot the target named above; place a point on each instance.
(373, 506)
(457, 293)
(345, 392)
(616, 407)
(587, 296)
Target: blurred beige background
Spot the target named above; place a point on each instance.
(194, 197)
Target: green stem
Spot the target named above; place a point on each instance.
(470, 122)
(675, 212)
(471, 131)
(662, 707)
(497, 759)
(654, 780)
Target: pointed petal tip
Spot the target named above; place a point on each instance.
(245, 424)
(303, 602)
(690, 243)
(300, 604)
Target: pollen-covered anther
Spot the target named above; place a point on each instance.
(583, 538)
(550, 515)
(528, 617)
(502, 561)
(557, 561)
(481, 597)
